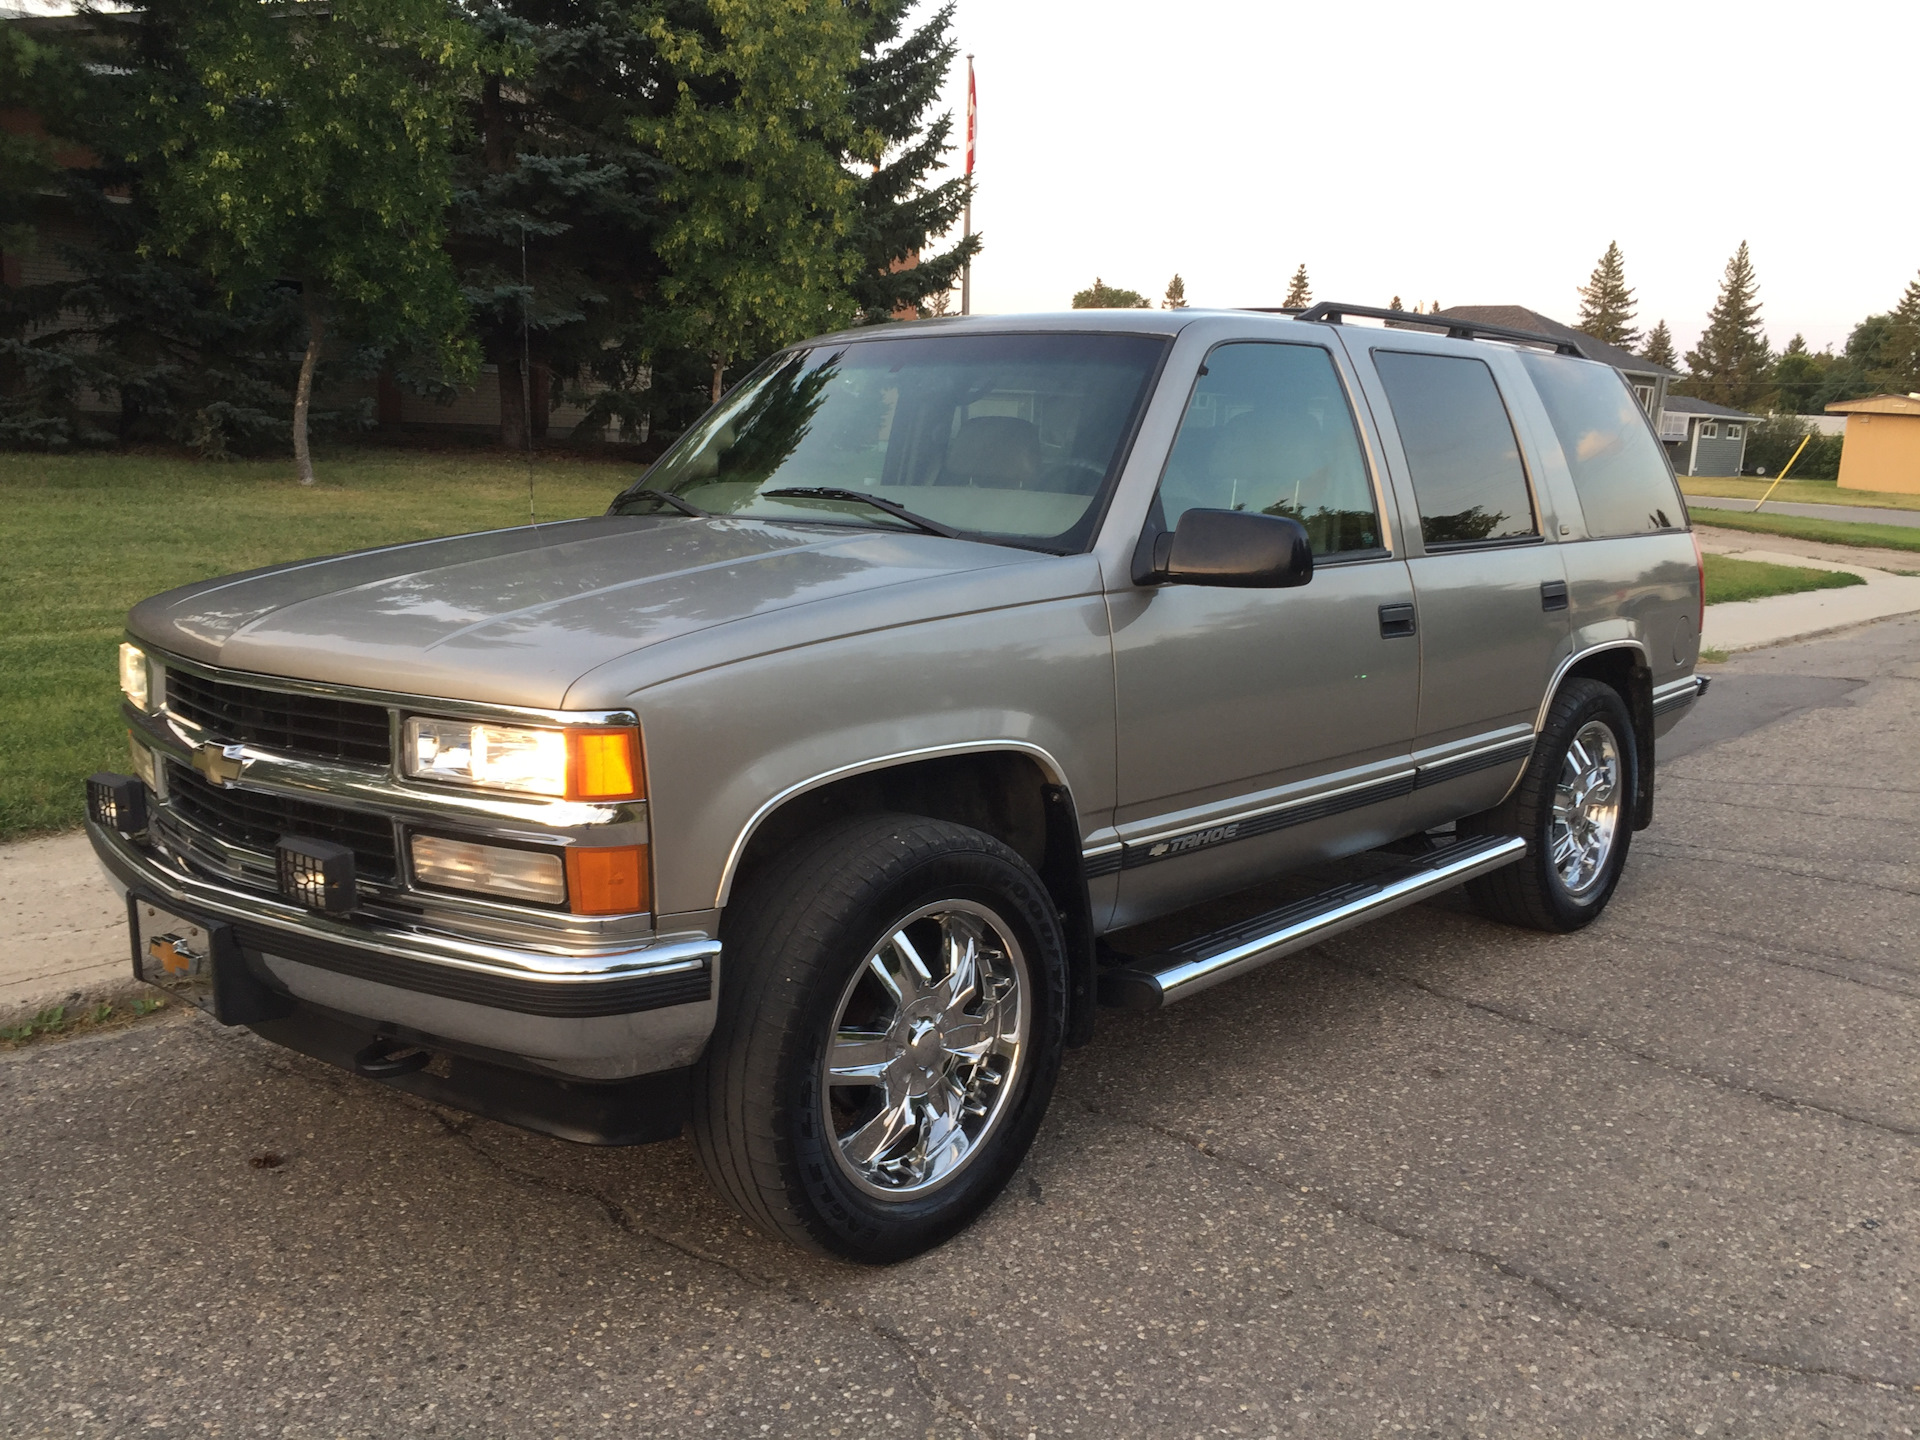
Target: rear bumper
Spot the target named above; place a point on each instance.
(602, 1014)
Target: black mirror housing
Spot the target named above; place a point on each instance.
(1236, 549)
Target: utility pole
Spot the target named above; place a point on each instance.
(966, 270)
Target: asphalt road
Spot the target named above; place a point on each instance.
(1435, 1178)
(1862, 514)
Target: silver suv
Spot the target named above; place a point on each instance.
(806, 798)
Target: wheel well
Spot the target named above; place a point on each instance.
(1625, 669)
(1002, 793)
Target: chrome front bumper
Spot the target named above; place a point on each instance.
(598, 1013)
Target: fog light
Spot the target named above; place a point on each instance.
(316, 873)
(117, 802)
(535, 875)
(609, 881)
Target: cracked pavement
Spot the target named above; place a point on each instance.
(1434, 1177)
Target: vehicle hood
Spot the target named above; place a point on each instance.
(516, 616)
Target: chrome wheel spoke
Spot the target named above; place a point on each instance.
(870, 1144)
(859, 1057)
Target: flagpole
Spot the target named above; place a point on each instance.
(966, 268)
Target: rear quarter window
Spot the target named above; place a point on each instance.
(1618, 471)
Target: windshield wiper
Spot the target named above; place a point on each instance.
(899, 512)
(685, 507)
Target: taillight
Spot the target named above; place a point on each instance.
(1700, 566)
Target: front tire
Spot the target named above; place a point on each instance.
(1574, 807)
(892, 1019)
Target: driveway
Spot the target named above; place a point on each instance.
(1434, 1178)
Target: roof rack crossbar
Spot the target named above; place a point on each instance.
(1332, 312)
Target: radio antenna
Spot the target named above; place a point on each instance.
(526, 371)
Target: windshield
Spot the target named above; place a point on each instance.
(1001, 437)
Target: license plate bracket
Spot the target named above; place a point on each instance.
(198, 961)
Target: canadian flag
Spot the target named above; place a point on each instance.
(972, 115)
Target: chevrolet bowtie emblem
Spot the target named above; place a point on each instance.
(222, 764)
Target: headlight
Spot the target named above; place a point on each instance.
(576, 763)
(134, 681)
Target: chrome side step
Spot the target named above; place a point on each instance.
(1154, 981)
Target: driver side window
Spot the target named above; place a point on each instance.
(1269, 430)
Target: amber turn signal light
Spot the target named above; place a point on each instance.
(610, 881)
(605, 765)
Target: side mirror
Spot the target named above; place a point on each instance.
(1233, 548)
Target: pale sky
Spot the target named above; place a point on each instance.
(1473, 152)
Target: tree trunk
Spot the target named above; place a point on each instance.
(719, 378)
(303, 394)
(513, 403)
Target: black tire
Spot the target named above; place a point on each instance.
(796, 941)
(1532, 892)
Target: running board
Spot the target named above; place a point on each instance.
(1154, 981)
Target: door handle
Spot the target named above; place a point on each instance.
(1396, 621)
(1553, 594)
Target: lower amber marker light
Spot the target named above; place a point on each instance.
(607, 881)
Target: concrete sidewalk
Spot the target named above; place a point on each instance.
(69, 929)
(1852, 514)
(1751, 624)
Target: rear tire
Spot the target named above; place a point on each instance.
(1574, 807)
(892, 1019)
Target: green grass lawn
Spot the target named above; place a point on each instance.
(1798, 492)
(1833, 532)
(89, 535)
(1730, 579)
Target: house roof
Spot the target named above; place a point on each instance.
(1687, 405)
(1518, 317)
(1877, 405)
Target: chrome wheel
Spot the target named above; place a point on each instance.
(1586, 808)
(927, 1043)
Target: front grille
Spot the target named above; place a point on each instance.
(256, 821)
(286, 724)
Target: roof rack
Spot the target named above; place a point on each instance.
(1332, 312)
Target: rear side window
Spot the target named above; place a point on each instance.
(1617, 466)
(1269, 430)
(1460, 446)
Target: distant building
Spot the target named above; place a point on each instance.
(1649, 381)
(1882, 448)
(1703, 438)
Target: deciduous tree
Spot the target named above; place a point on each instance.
(314, 147)
(1606, 304)
(759, 240)
(1729, 365)
(1102, 296)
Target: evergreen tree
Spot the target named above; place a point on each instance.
(758, 243)
(1659, 347)
(1606, 304)
(1299, 292)
(1394, 304)
(1102, 296)
(1898, 353)
(314, 147)
(551, 178)
(1176, 295)
(898, 215)
(1729, 365)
